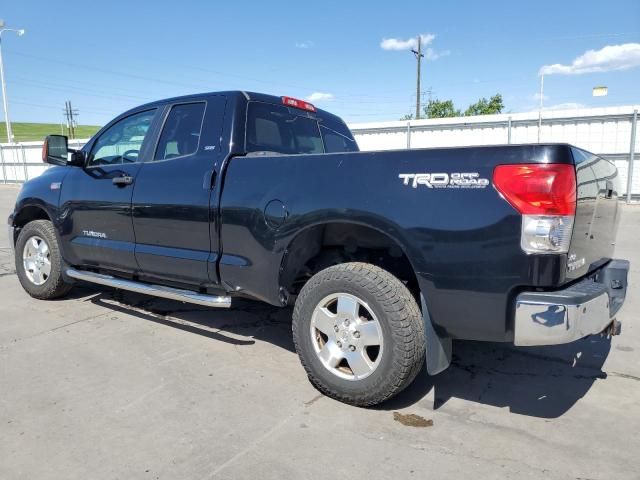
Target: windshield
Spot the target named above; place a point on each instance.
(280, 129)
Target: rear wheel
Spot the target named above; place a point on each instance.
(358, 332)
(39, 264)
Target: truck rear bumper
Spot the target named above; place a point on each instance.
(585, 308)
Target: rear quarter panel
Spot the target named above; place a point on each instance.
(463, 243)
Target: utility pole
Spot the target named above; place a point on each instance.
(67, 117)
(66, 114)
(71, 122)
(419, 55)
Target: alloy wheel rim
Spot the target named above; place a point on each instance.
(346, 336)
(36, 259)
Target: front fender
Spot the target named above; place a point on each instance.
(38, 198)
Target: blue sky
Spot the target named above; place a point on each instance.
(107, 56)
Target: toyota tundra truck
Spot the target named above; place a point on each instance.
(386, 257)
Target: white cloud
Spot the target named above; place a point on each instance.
(411, 43)
(536, 97)
(432, 54)
(305, 44)
(607, 59)
(320, 97)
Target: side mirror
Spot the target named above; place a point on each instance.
(55, 151)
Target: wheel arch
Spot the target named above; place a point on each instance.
(25, 214)
(312, 243)
(321, 245)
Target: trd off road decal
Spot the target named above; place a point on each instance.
(444, 180)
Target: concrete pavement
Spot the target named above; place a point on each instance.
(114, 385)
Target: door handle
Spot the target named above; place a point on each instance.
(123, 180)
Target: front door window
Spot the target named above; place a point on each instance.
(122, 141)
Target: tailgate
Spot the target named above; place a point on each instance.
(597, 214)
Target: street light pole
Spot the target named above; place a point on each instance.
(5, 102)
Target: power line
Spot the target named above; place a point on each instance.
(57, 108)
(103, 70)
(76, 89)
(104, 91)
(208, 86)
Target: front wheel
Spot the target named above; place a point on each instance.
(39, 263)
(359, 333)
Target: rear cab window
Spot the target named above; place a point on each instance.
(337, 137)
(286, 130)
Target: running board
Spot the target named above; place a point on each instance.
(149, 289)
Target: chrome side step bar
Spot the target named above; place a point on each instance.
(150, 289)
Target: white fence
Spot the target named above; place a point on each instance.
(23, 161)
(605, 131)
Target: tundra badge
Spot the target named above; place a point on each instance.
(91, 233)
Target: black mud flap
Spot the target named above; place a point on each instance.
(438, 354)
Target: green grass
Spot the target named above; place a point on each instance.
(28, 132)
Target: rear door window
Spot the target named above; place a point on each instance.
(181, 132)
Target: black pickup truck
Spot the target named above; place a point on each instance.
(386, 256)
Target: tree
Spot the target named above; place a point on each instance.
(441, 109)
(445, 108)
(486, 107)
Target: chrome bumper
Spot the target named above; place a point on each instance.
(563, 316)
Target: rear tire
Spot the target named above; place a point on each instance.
(39, 264)
(359, 333)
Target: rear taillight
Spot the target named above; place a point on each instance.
(538, 189)
(545, 195)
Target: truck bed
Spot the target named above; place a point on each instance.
(463, 240)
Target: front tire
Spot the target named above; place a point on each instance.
(39, 264)
(359, 333)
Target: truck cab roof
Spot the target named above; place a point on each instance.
(239, 95)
